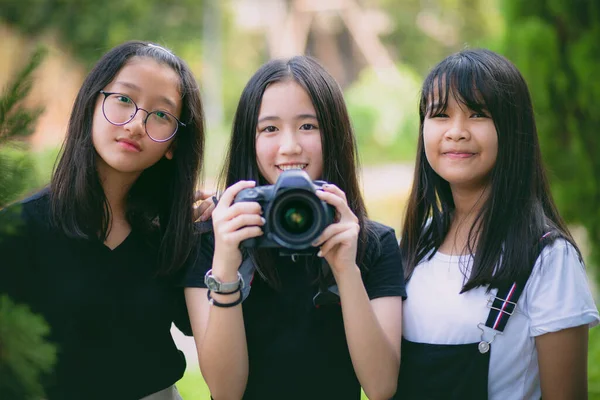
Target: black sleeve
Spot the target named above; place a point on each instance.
(198, 262)
(181, 318)
(14, 253)
(384, 275)
(194, 276)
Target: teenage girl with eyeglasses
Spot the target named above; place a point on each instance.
(100, 252)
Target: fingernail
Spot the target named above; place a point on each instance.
(264, 221)
(320, 254)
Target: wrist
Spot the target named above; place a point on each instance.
(222, 283)
(343, 273)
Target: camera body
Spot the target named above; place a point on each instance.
(294, 215)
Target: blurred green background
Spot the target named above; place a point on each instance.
(378, 50)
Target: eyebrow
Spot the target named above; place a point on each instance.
(133, 86)
(298, 117)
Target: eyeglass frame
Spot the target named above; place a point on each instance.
(179, 123)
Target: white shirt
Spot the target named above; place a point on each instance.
(557, 296)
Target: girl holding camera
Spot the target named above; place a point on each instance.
(100, 254)
(282, 341)
(498, 301)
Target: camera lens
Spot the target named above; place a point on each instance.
(297, 217)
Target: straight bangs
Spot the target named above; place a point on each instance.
(463, 78)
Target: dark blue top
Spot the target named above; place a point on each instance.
(110, 314)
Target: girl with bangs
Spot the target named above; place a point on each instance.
(498, 301)
(314, 326)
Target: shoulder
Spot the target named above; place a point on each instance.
(382, 265)
(558, 294)
(380, 239)
(558, 254)
(200, 259)
(378, 228)
(377, 232)
(33, 210)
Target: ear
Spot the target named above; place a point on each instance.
(169, 153)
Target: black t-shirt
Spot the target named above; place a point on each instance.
(109, 313)
(296, 350)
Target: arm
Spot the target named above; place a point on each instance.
(373, 331)
(373, 328)
(562, 359)
(220, 342)
(560, 306)
(219, 332)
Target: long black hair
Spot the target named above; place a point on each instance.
(162, 197)
(339, 148)
(519, 209)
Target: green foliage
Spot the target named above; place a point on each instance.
(18, 173)
(384, 115)
(24, 354)
(423, 33)
(90, 28)
(594, 364)
(17, 122)
(555, 45)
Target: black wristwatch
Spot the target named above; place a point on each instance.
(215, 285)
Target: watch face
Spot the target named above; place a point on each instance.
(212, 284)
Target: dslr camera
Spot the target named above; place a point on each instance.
(294, 215)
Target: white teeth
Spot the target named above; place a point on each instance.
(291, 166)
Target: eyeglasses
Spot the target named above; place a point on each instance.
(119, 109)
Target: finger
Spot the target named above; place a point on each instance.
(199, 211)
(338, 203)
(207, 213)
(229, 194)
(242, 221)
(346, 238)
(331, 188)
(330, 231)
(236, 237)
(202, 195)
(244, 207)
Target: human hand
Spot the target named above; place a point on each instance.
(204, 210)
(339, 241)
(233, 223)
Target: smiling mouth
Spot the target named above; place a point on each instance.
(287, 167)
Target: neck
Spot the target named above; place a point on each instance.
(116, 187)
(467, 204)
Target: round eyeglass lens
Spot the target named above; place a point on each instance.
(161, 125)
(118, 109)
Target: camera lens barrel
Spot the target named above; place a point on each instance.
(297, 217)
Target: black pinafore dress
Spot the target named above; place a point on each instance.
(459, 372)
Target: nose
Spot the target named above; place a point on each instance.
(289, 143)
(459, 129)
(136, 127)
